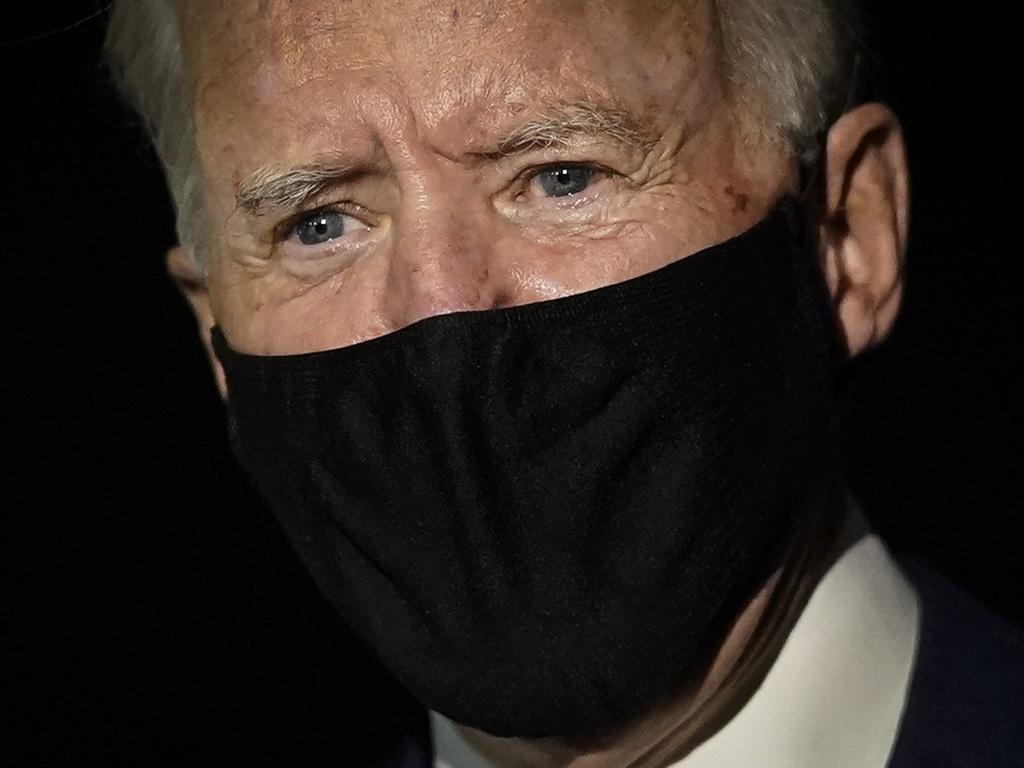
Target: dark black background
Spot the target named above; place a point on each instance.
(157, 612)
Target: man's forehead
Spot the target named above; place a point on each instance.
(269, 20)
(284, 81)
(270, 46)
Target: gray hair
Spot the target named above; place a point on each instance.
(787, 62)
(143, 52)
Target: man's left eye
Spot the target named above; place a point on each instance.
(564, 180)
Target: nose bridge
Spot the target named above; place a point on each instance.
(441, 253)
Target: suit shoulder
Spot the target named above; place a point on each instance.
(966, 699)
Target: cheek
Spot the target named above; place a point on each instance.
(280, 314)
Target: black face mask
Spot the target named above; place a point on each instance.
(541, 517)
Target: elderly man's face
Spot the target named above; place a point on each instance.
(371, 163)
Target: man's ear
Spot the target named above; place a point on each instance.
(193, 287)
(865, 222)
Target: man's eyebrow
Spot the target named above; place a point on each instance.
(563, 124)
(271, 188)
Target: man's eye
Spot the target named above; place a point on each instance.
(562, 181)
(320, 227)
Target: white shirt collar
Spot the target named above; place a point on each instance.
(833, 697)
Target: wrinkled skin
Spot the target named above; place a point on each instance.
(417, 95)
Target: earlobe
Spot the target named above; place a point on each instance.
(865, 223)
(192, 284)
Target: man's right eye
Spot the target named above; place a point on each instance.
(321, 226)
(340, 229)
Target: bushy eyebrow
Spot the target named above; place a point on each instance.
(562, 125)
(269, 189)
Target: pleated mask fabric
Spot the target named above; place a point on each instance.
(542, 516)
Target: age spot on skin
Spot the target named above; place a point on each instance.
(739, 200)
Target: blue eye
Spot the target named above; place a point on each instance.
(320, 227)
(565, 181)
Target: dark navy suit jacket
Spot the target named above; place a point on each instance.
(966, 703)
(965, 707)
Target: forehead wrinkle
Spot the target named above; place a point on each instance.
(484, 94)
(296, 42)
